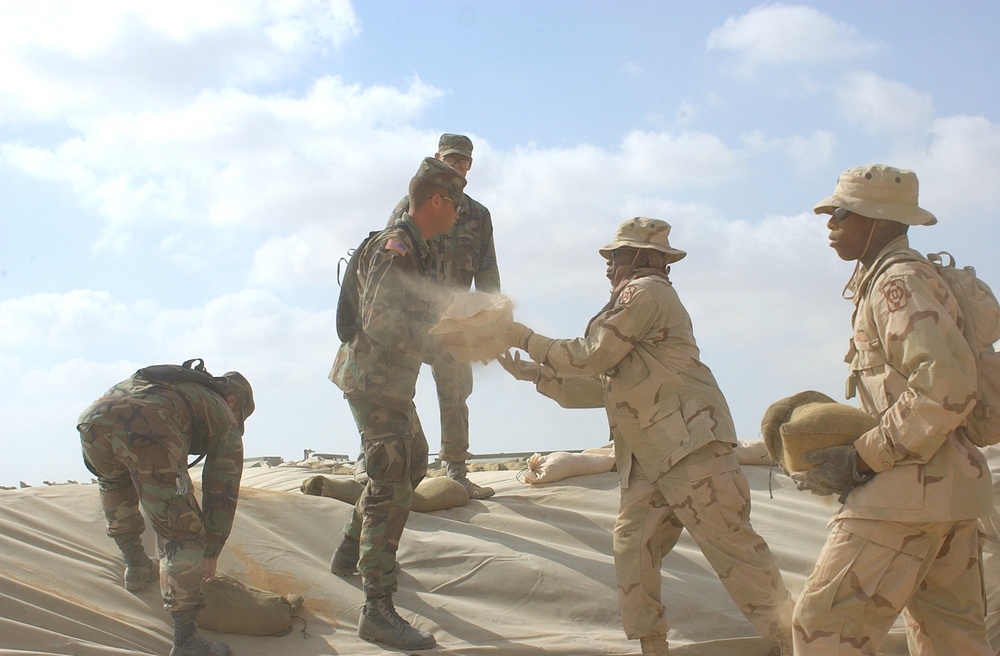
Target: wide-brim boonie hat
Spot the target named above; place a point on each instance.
(643, 232)
(878, 192)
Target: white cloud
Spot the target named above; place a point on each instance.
(958, 167)
(63, 321)
(884, 106)
(234, 159)
(66, 58)
(786, 34)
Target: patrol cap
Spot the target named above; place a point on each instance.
(238, 386)
(455, 144)
(435, 172)
(643, 232)
(878, 191)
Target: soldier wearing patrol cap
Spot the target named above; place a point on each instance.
(906, 539)
(377, 371)
(673, 436)
(464, 256)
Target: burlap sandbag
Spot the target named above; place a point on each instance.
(234, 607)
(481, 320)
(439, 493)
(560, 464)
(808, 421)
(343, 488)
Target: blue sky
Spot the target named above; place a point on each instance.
(179, 180)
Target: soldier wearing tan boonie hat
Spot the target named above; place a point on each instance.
(878, 192)
(673, 434)
(906, 540)
(643, 232)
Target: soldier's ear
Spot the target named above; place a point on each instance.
(233, 403)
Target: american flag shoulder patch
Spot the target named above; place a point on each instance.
(396, 246)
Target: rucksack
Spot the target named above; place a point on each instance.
(981, 327)
(192, 371)
(348, 316)
(349, 301)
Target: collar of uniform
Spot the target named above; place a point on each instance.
(897, 245)
(414, 231)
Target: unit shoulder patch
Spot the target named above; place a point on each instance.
(896, 295)
(627, 294)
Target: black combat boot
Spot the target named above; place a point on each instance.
(139, 568)
(187, 640)
(381, 623)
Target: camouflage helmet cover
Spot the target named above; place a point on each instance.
(237, 385)
(439, 174)
(643, 232)
(455, 144)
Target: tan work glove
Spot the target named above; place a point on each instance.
(836, 472)
(518, 368)
(517, 334)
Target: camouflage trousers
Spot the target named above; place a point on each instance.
(707, 494)
(395, 452)
(870, 571)
(141, 460)
(991, 574)
(454, 386)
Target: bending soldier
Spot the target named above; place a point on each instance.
(136, 439)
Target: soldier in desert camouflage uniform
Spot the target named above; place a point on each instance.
(377, 371)
(463, 256)
(906, 539)
(673, 436)
(136, 439)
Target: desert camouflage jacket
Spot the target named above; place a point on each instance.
(639, 359)
(912, 368)
(399, 302)
(186, 418)
(466, 254)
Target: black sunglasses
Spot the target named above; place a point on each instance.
(841, 213)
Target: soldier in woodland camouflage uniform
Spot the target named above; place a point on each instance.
(673, 435)
(464, 255)
(377, 371)
(906, 539)
(136, 439)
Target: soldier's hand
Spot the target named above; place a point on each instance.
(835, 471)
(517, 334)
(208, 566)
(518, 368)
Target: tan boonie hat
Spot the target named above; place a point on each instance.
(455, 144)
(238, 386)
(643, 232)
(440, 174)
(878, 191)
